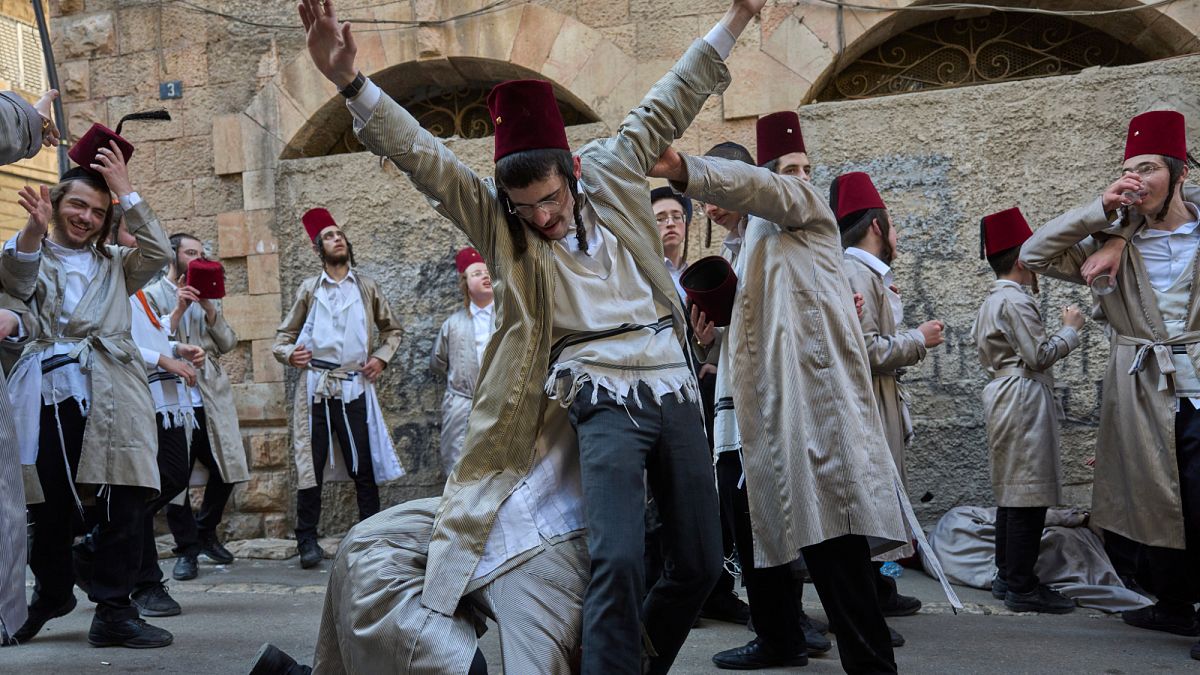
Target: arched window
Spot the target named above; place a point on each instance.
(999, 47)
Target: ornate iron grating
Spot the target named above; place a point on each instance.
(998, 47)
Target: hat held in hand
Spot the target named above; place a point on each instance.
(84, 151)
(710, 285)
(207, 277)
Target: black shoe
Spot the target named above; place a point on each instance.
(726, 607)
(310, 553)
(755, 655)
(1041, 599)
(813, 639)
(1153, 618)
(131, 633)
(901, 605)
(38, 616)
(897, 638)
(214, 551)
(155, 601)
(272, 660)
(1196, 651)
(83, 557)
(999, 588)
(186, 568)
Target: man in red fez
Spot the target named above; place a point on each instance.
(803, 419)
(590, 349)
(458, 351)
(217, 443)
(1147, 484)
(1021, 413)
(78, 385)
(327, 334)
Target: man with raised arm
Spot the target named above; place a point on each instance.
(591, 333)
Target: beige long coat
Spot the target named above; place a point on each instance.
(888, 350)
(817, 466)
(1136, 489)
(510, 400)
(1019, 407)
(119, 441)
(220, 412)
(381, 325)
(455, 358)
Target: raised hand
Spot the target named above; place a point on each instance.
(1071, 316)
(330, 44)
(110, 163)
(41, 211)
(44, 107)
(1116, 194)
(670, 166)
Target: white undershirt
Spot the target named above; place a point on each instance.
(481, 322)
(170, 396)
(1168, 253)
(336, 331)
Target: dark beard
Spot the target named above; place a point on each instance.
(336, 259)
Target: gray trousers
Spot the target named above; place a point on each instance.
(619, 444)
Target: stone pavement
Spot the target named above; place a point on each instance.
(230, 610)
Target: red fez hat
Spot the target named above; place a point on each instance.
(526, 116)
(1002, 231)
(465, 258)
(711, 285)
(85, 149)
(316, 220)
(778, 134)
(1158, 132)
(853, 192)
(207, 277)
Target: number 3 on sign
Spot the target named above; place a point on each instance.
(170, 90)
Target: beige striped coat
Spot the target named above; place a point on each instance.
(817, 465)
(509, 401)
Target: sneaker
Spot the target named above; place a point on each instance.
(755, 655)
(726, 607)
(186, 568)
(999, 588)
(131, 633)
(38, 616)
(901, 605)
(272, 660)
(1041, 599)
(155, 601)
(1154, 618)
(310, 553)
(213, 550)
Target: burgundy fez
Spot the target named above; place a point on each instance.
(207, 277)
(465, 258)
(84, 151)
(778, 134)
(526, 116)
(1158, 132)
(711, 285)
(316, 220)
(1002, 231)
(853, 192)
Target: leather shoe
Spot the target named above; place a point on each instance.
(131, 633)
(1041, 599)
(755, 655)
(818, 625)
(38, 616)
(185, 568)
(272, 660)
(213, 550)
(999, 588)
(902, 605)
(1153, 618)
(814, 641)
(310, 553)
(897, 638)
(1196, 651)
(726, 607)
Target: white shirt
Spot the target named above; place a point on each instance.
(335, 330)
(676, 273)
(81, 266)
(481, 322)
(1168, 253)
(194, 313)
(169, 392)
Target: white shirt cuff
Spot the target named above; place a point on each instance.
(130, 200)
(363, 105)
(721, 40)
(149, 356)
(32, 256)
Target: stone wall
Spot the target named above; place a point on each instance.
(251, 98)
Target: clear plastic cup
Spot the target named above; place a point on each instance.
(1103, 284)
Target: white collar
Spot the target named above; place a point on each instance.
(68, 252)
(476, 310)
(326, 279)
(671, 266)
(1007, 282)
(1186, 228)
(878, 266)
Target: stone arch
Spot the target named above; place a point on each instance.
(804, 47)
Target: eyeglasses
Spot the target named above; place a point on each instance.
(664, 218)
(1145, 169)
(551, 207)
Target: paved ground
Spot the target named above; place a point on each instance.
(230, 610)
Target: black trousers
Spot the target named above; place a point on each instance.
(117, 517)
(188, 528)
(328, 414)
(1172, 572)
(1018, 542)
(174, 468)
(771, 590)
(618, 444)
(842, 571)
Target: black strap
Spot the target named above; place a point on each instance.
(163, 376)
(324, 365)
(562, 343)
(58, 361)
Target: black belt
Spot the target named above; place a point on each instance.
(1178, 349)
(324, 365)
(55, 362)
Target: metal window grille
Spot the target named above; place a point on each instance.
(21, 63)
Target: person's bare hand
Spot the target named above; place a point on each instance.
(181, 368)
(1107, 260)
(859, 303)
(192, 353)
(704, 329)
(1114, 195)
(706, 370)
(36, 202)
(330, 44)
(9, 324)
(933, 332)
(670, 166)
(45, 108)
(300, 357)
(110, 163)
(1071, 316)
(374, 367)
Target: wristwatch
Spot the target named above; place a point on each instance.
(351, 90)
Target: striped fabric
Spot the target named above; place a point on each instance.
(509, 401)
(373, 620)
(12, 521)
